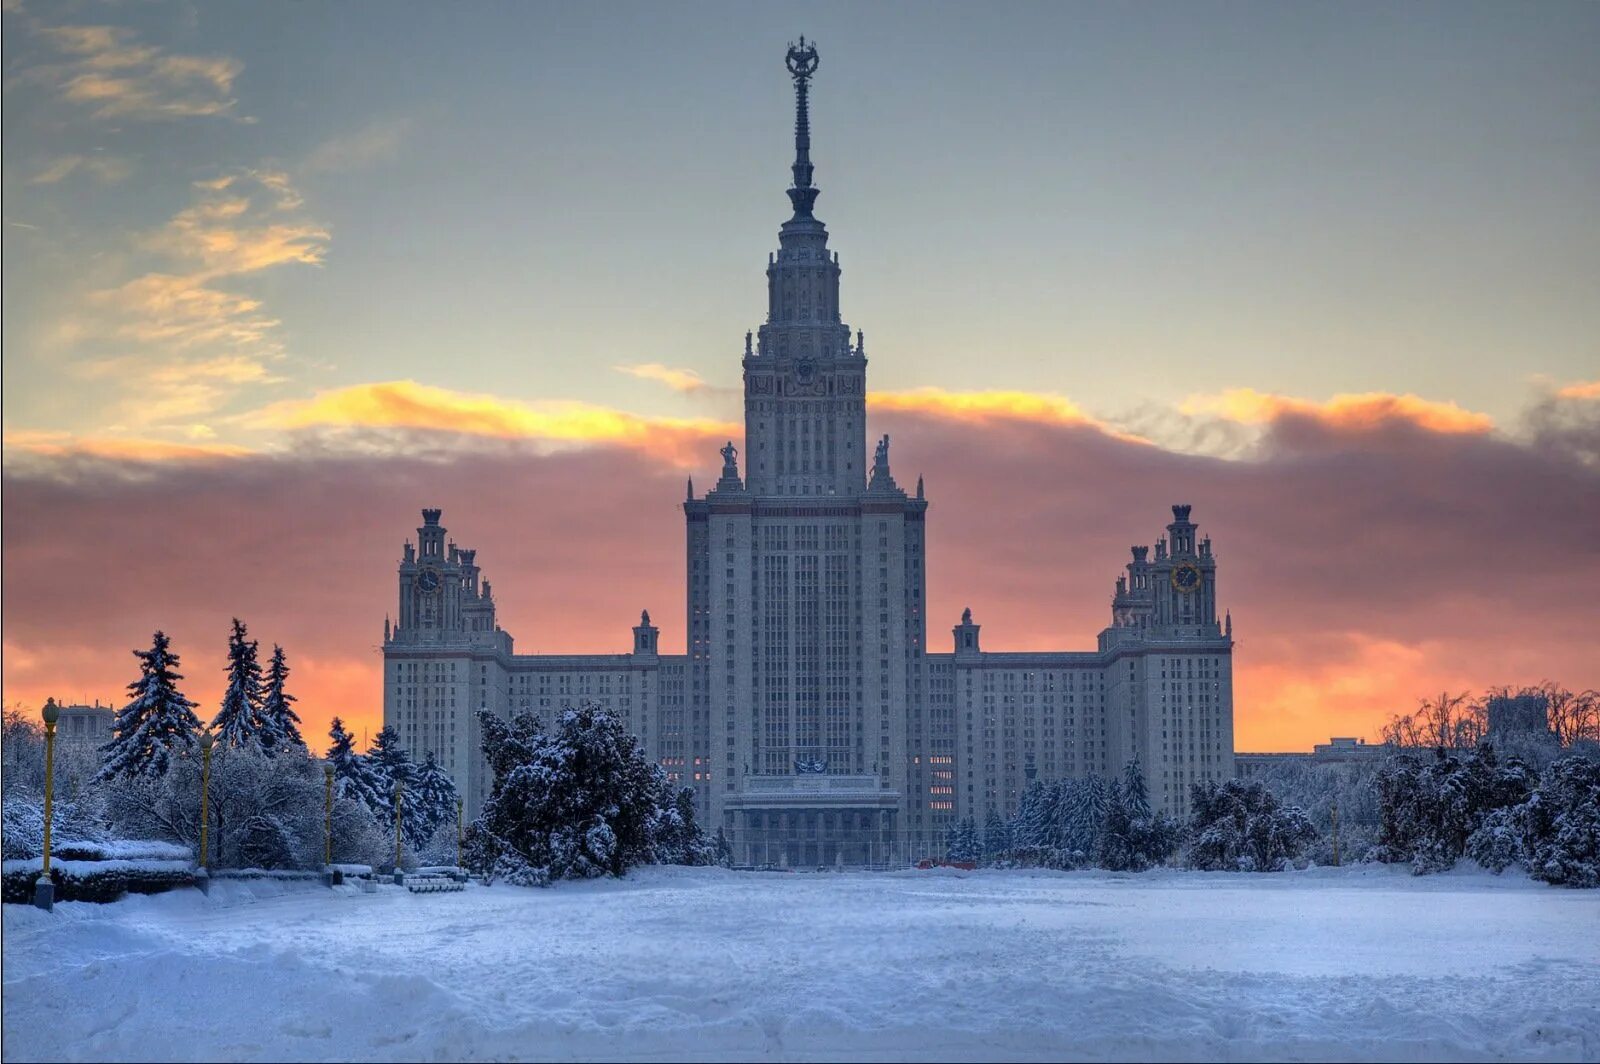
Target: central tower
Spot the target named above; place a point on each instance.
(805, 593)
(804, 384)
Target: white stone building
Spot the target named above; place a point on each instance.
(808, 713)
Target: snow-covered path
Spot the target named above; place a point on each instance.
(701, 963)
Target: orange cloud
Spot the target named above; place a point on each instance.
(407, 404)
(1364, 411)
(989, 405)
(679, 380)
(1580, 390)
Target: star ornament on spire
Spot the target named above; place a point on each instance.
(801, 60)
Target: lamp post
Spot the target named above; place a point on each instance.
(399, 793)
(458, 832)
(1336, 834)
(44, 890)
(207, 741)
(327, 844)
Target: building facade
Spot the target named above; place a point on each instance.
(808, 712)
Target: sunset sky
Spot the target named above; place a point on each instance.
(279, 275)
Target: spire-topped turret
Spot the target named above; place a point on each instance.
(802, 63)
(805, 384)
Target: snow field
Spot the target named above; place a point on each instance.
(1333, 964)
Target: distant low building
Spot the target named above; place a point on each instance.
(85, 725)
(1335, 751)
(1527, 713)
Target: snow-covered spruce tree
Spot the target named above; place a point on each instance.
(353, 777)
(1114, 848)
(430, 803)
(963, 843)
(1135, 795)
(996, 836)
(1082, 814)
(1028, 826)
(238, 721)
(280, 725)
(157, 724)
(388, 763)
(1132, 836)
(580, 802)
(1237, 825)
(1561, 824)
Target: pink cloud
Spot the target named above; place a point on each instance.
(1365, 566)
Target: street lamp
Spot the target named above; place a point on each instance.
(399, 791)
(207, 741)
(327, 845)
(44, 890)
(458, 832)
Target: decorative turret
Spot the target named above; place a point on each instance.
(966, 635)
(645, 636)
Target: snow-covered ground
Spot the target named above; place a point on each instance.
(1355, 963)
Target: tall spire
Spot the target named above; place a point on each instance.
(802, 63)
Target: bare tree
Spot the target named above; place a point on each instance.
(1573, 717)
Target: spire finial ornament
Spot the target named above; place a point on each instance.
(802, 63)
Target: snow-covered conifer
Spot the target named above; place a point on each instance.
(430, 801)
(353, 777)
(389, 762)
(238, 721)
(279, 723)
(158, 722)
(1561, 824)
(996, 835)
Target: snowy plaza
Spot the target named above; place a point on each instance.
(1364, 962)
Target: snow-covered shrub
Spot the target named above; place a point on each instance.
(102, 881)
(266, 811)
(1496, 843)
(581, 801)
(1561, 824)
(1319, 790)
(1238, 825)
(1428, 810)
(22, 824)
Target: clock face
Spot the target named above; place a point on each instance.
(805, 370)
(429, 580)
(1186, 578)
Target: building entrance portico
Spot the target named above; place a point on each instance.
(810, 821)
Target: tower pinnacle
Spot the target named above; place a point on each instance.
(802, 63)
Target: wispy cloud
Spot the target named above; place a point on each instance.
(106, 169)
(377, 142)
(107, 71)
(679, 380)
(184, 343)
(1580, 390)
